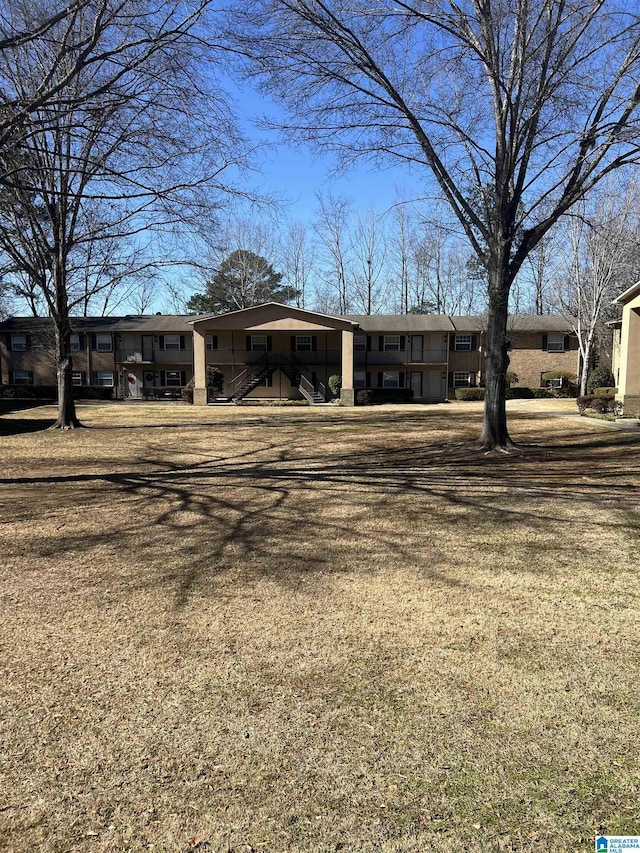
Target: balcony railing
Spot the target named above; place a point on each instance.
(425, 356)
(240, 356)
(138, 355)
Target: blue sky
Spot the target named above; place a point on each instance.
(299, 173)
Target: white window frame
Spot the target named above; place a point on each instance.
(104, 343)
(172, 342)
(391, 379)
(391, 343)
(24, 380)
(556, 382)
(463, 343)
(307, 345)
(257, 344)
(557, 344)
(359, 343)
(170, 380)
(76, 375)
(462, 379)
(19, 343)
(104, 378)
(360, 379)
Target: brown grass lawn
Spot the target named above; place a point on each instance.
(317, 630)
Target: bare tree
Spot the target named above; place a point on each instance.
(601, 251)
(333, 228)
(126, 149)
(369, 254)
(399, 256)
(298, 255)
(517, 110)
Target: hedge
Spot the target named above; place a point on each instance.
(600, 404)
(512, 393)
(374, 396)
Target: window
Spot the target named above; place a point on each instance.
(359, 379)
(462, 379)
(172, 378)
(75, 344)
(463, 343)
(77, 377)
(172, 342)
(556, 382)
(359, 343)
(391, 344)
(22, 377)
(212, 342)
(555, 342)
(19, 343)
(391, 379)
(303, 343)
(258, 343)
(103, 344)
(105, 378)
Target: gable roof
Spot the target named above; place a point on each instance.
(402, 322)
(269, 312)
(629, 294)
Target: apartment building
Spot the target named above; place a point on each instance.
(626, 351)
(277, 351)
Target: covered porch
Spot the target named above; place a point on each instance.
(274, 351)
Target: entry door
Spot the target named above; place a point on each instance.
(417, 346)
(416, 383)
(433, 385)
(147, 347)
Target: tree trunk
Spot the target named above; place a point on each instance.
(495, 435)
(67, 418)
(586, 361)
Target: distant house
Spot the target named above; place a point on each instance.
(277, 351)
(626, 351)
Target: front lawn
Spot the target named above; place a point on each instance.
(317, 629)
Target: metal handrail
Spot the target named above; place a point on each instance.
(249, 374)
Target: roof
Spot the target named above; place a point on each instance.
(402, 322)
(129, 323)
(257, 315)
(629, 293)
(517, 323)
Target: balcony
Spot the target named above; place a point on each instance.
(239, 356)
(401, 357)
(139, 355)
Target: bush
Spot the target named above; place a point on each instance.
(30, 392)
(373, 396)
(92, 392)
(541, 393)
(215, 379)
(600, 377)
(600, 404)
(519, 393)
(512, 378)
(335, 384)
(569, 386)
(469, 393)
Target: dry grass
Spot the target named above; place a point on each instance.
(317, 630)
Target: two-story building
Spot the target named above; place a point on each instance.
(278, 351)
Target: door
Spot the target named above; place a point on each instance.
(434, 385)
(417, 346)
(132, 383)
(416, 382)
(147, 347)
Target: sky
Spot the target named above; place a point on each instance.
(300, 173)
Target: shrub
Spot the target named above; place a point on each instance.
(512, 378)
(30, 392)
(92, 392)
(600, 377)
(469, 393)
(568, 380)
(600, 404)
(541, 393)
(335, 384)
(373, 396)
(215, 379)
(519, 393)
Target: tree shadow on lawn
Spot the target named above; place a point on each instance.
(18, 426)
(283, 512)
